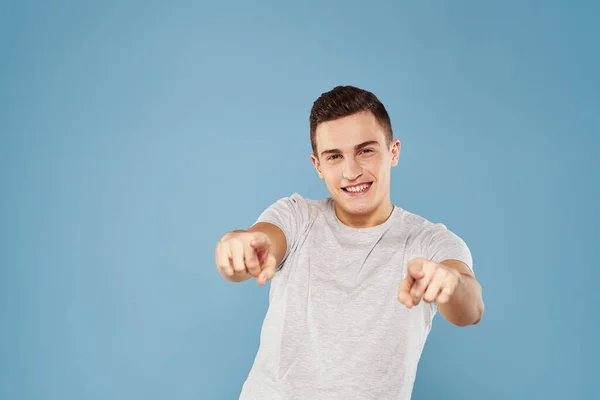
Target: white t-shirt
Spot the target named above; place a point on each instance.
(334, 328)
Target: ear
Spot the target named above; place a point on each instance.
(395, 149)
(316, 164)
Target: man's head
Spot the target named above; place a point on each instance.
(352, 141)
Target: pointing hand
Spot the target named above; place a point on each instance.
(429, 281)
(241, 253)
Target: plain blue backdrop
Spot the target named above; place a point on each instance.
(135, 134)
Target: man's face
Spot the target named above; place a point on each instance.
(355, 161)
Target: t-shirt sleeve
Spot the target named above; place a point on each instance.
(291, 215)
(439, 244)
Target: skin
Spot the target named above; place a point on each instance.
(341, 161)
(450, 284)
(353, 150)
(253, 253)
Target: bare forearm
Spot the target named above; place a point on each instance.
(465, 306)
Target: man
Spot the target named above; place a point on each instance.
(355, 280)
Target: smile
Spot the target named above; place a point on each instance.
(357, 190)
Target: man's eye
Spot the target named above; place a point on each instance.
(333, 157)
(367, 150)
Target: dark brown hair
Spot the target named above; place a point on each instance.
(342, 101)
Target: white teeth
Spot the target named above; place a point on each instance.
(358, 188)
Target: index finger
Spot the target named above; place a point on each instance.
(415, 268)
(268, 271)
(406, 284)
(251, 259)
(404, 291)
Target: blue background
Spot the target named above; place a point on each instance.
(135, 134)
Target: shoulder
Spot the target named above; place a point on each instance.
(435, 241)
(423, 231)
(306, 205)
(294, 209)
(417, 224)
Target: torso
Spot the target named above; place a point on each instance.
(334, 328)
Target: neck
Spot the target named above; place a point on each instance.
(367, 220)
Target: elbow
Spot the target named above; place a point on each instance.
(479, 309)
(479, 315)
(469, 319)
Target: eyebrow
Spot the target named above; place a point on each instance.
(357, 147)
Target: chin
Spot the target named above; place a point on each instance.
(355, 206)
(362, 207)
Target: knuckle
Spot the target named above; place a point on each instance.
(226, 237)
(220, 250)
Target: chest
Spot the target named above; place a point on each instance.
(343, 279)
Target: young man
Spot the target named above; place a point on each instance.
(355, 280)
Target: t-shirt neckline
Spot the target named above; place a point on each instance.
(370, 229)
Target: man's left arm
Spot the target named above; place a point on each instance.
(450, 283)
(465, 305)
(443, 274)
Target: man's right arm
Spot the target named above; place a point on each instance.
(255, 252)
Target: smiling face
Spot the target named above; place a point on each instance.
(355, 160)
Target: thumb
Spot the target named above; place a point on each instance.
(268, 270)
(260, 242)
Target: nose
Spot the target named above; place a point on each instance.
(352, 169)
